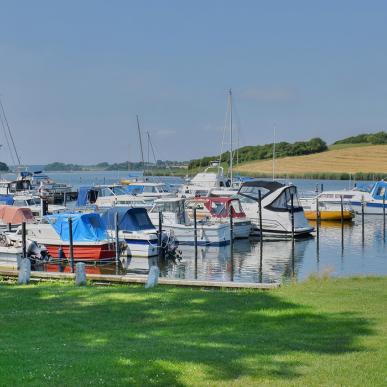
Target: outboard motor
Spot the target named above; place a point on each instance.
(36, 252)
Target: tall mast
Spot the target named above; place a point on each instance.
(148, 149)
(231, 156)
(9, 132)
(140, 140)
(274, 140)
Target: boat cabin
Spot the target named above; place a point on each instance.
(274, 196)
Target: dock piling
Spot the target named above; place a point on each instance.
(24, 240)
(362, 221)
(117, 247)
(71, 244)
(160, 235)
(260, 217)
(292, 213)
(384, 216)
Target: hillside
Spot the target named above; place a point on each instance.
(366, 159)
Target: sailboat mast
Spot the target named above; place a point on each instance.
(9, 133)
(274, 140)
(140, 140)
(231, 156)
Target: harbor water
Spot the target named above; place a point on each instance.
(338, 251)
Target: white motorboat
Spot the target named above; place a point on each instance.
(208, 183)
(370, 197)
(276, 208)
(176, 221)
(33, 202)
(218, 209)
(135, 228)
(149, 190)
(106, 196)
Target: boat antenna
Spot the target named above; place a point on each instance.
(274, 139)
(231, 155)
(9, 132)
(140, 140)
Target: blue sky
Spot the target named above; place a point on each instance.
(74, 74)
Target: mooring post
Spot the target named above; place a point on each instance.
(24, 240)
(24, 272)
(260, 217)
(80, 274)
(195, 232)
(64, 199)
(317, 219)
(9, 227)
(292, 213)
(384, 215)
(231, 242)
(160, 235)
(71, 247)
(231, 227)
(322, 187)
(362, 220)
(60, 258)
(341, 211)
(116, 238)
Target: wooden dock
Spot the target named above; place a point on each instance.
(141, 279)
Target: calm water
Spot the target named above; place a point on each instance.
(341, 254)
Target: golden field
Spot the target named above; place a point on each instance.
(370, 158)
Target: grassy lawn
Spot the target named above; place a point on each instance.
(321, 332)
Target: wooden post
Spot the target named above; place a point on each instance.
(71, 247)
(231, 227)
(362, 220)
(341, 211)
(292, 214)
(384, 216)
(9, 227)
(24, 241)
(160, 235)
(64, 199)
(116, 238)
(260, 217)
(317, 219)
(322, 188)
(195, 232)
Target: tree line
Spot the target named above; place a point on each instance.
(370, 138)
(262, 152)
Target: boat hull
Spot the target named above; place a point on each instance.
(93, 252)
(217, 235)
(330, 215)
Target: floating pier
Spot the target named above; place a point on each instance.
(142, 279)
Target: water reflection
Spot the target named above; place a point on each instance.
(351, 249)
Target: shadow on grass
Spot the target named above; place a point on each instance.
(127, 335)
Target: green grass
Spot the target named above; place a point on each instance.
(321, 332)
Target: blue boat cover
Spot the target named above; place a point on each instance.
(6, 199)
(129, 219)
(87, 227)
(83, 196)
(135, 189)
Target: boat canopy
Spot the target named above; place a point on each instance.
(379, 190)
(251, 189)
(129, 219)
(6, 199)
(86, 195)
(15, 215)
(88, 227)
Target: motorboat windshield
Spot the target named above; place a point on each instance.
(252, 189)
(285, 200)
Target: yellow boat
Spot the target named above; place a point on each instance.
(330, 215)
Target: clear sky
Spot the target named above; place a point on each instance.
(74, 74)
